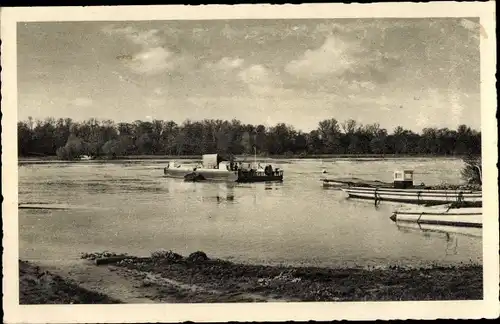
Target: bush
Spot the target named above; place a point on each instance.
(472, 171)
(198, 256)
(72, 150)
(113, 148)
(166, 255)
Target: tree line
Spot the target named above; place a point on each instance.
(69, 139)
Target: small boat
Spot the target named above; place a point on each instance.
(175, 170)
(85, 158)
(441, 215)
(347, 182)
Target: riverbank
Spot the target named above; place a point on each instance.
(261, 156)
(39, 286)
(168, 277)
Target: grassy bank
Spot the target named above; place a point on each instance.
(197, 278)
(171, 278)
(296, 156)
(37, 286)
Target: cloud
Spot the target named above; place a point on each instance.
(82, 102)
(144, 38)
(329, 28)
(225, 64)
(263, 81)
(259, 33)
(343, 63)
(149, 38)
(361, 85)
(152, 61)
(153, 58)
(469, 25)
(228, 32)
(155, 102)
(474, 28)
(228, 63)
(333, 57)
(255, 74)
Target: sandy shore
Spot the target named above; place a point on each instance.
(169, 277)
(39, 286)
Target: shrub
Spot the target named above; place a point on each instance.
(472, 171)
(198, 256)
(72, 150)
(166, 255)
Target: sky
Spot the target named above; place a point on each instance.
(414, 73)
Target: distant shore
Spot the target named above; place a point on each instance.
(275, 157)
(172, 278)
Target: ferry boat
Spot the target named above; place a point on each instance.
(216, 168)
(260, 174)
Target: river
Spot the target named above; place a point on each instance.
(128, 206)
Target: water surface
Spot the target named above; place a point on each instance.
(128, 206)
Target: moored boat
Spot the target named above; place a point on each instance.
(260, 174)
(348, 182)
(416, 196)
(86, 158)
(440, 215)
(216, 168)
(402, 190)
(175, 170)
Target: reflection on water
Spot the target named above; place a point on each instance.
(452, 244)
(429, 229)
(136, 210)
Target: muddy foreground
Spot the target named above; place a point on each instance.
(38, 286)
(168, 277)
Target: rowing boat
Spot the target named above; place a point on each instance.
(347, 182)
(441, 215)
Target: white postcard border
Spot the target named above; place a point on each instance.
(488, 308)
